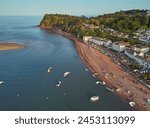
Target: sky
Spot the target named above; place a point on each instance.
(71, 7)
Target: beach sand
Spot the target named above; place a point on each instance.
(10, 46)
(123, 84)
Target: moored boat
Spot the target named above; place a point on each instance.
(66, 74)
(148, 101)
(86, 69)
(58, 84)
(132, 104)
(94, 98)
(103, 82)
(109, 89)
(93, 75)
(98, 82)
(49, 69)
(1, 82)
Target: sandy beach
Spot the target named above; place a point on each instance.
(10, 46)
(123, 83)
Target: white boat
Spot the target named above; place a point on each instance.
(93, 75)
(109, 89)
(132, 104)
(49, 69)
(94, 98)
(103, 82)
(148, 101)
(58, 84)
(86, 69)
(98, 82)
(1, 82)
(66, 74)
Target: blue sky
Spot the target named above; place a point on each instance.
(73, 7)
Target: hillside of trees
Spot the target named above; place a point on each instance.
(123, 21)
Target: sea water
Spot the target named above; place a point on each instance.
(27, 84)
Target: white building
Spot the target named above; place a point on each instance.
(119, 46)
(145, 49)
(86, 38)
(139, 59)
(140, 48)
(107, 43)
(96, 41)
(129, 53)
(145, 38)
(148, 12)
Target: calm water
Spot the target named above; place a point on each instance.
(28, 86)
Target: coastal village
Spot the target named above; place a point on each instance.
(135, 56)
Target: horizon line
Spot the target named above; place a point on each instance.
(87, 15)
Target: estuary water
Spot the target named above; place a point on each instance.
(28, 86)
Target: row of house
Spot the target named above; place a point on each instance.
(143, 35)
(139, 53)
(96, 41)
(117, 46)
(139, 58)
(145, 38)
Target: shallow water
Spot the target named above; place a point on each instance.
(28, 86)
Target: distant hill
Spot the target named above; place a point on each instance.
(124, 21)
(133, 12)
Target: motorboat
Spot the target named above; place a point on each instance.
(49, 69)
(103, 82)
(86, 69)
(109, 89)
(132, 104)
(58, 84)
(93, 75)
(94, 98)
(98, 82)
(1, 82)
(148, 101)
(66, 74)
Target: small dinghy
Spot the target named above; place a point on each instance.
(98, 82)
(49, 70)
(148, 101)
(103, 82)
(1, 82)
(94, 98)
(132, 104)
(93, 75)
(109, 89)
(58, 84)
(66, 74)
(86, 69)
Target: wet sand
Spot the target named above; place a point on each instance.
(10, 46)
(123, 84)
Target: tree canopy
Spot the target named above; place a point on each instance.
(123, 21)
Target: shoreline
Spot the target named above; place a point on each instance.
(10, 46)
(123, 84)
